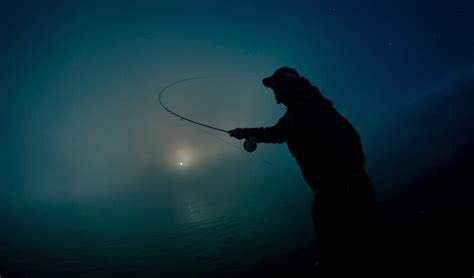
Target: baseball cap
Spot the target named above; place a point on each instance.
(281, 74)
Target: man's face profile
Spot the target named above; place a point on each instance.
(279, 95)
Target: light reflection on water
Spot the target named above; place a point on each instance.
(195, 237)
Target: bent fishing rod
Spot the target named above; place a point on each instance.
(250, 144)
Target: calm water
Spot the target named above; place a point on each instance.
(159, 234)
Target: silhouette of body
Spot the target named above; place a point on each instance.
(329, 153)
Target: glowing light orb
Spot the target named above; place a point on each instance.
(182, 158)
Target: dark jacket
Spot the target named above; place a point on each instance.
(325, 145)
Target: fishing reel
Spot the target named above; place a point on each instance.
(250, 144)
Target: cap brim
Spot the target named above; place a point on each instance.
(268, 82)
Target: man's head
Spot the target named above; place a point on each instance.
(281, 82)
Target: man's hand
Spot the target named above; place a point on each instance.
(239, 133)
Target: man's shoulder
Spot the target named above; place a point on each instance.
(308, 103)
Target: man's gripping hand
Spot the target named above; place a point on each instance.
(239, 133)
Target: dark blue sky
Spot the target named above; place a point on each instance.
(79, 80)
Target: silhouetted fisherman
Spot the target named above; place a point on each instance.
(329, 152)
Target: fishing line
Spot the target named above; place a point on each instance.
(181, 116)
(250, 144)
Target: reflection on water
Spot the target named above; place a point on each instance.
(194, 237)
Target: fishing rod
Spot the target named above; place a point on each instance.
(250, 144)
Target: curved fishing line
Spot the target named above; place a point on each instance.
(181, 116)
(199, 124)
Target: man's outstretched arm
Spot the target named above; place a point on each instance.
(274, 134)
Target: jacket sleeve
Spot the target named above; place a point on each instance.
(274, 134)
